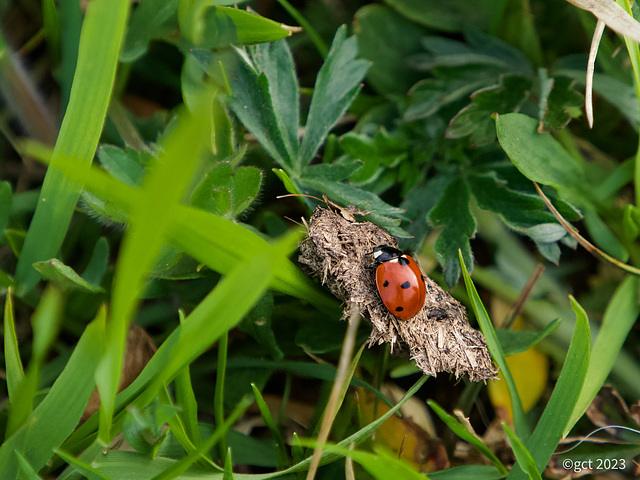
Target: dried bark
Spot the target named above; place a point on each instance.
(439, 338)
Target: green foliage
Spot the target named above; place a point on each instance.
(56, 271)
(466, 435)
(433, 118)
(100, 43)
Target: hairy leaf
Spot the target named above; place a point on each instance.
(337, 85)
(453, 214)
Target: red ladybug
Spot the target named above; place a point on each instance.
(399, 282)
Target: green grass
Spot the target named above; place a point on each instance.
(171, 222)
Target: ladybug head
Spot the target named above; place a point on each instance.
(384, 253)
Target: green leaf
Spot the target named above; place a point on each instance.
(381, 465)
(475, 120)
(45, 323)
(177, 468)
(468, 472)
(12, 362)
(138, 466)
(102, 36)
(250, 27)
(464, 434)
(56, 417)
(514, 342)
(226, 191)
(51, 27)
(214, 241)
(478, 49)
(540, 158)
(228, 303)
(337, 86)
(6, 199)
(65, 276)
(127, 165)
(97, 265)
(275, 61)
(286, 181)
(251, 100)
(518, 209)
(26, 467)
(519, 419)
(149, 20)
(558, 412)
(448, 85)
(85, 469)
(162, 190)
(618, 92)
(563, 103)
(143, 429)
(186, 400)
(619, 318)
(631, 222)
(15, 240)
(523, 212)
(524, 459)
(450, 16)
(332, 172)
(283, 460)
(387, 39)
(452, 213)
(372, 153)
(228, 466)
(382, 214)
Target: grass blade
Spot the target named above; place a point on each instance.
(523, 457)
(519, 419)
(620, 316)
(186, 399)
(182, 465)
(45, 321)
(218, 396)
(381, 465)
(557, 414)
(85, 469)
(26, 467)
(283, 457)
(13, 363)
(101, 38)
(55, 418)
(162, 189)
(467, 436)
(219, 243)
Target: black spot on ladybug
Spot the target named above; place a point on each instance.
(386, 283)
(403, 260)
(405, 285)
(399, 309)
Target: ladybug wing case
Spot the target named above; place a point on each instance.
(401, 287)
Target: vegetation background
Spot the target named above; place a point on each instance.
(435, 117)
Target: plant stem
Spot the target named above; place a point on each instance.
(218, 399)
(320, 45)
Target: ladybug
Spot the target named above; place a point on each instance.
(399, 282)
